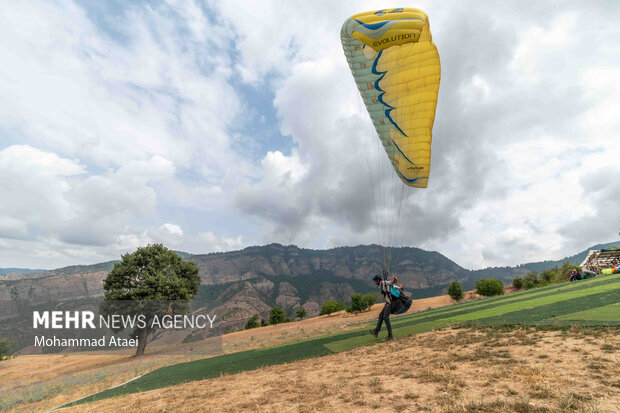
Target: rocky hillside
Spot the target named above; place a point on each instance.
(242, 283)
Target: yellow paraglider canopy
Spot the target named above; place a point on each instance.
(396, 67)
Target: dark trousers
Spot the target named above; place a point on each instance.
(385, 316)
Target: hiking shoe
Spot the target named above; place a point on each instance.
(374, 333)
(390, 338)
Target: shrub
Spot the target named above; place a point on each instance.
(277, 315)
(455, 291)
(331, 307)
(358, 304)
(547, 276)
(252, 322)
(371, 299)
(517, 283)
(566, 269)
(5, 349)
(301, 313)
(531, 280)
(489, 287)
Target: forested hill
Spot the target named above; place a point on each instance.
(254, 279)
(4, 271)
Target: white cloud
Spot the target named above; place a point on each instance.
(283, 169)
(71, 87)
(129, 134)
(539, 47)
(34, 188)
(508, 149)
(167, 234)
(209, 242)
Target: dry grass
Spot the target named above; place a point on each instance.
(429, 372)
(40, 382)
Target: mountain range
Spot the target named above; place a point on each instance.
(239, 284)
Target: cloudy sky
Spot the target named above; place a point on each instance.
(212, 126)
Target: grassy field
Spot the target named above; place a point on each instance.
(589, 302)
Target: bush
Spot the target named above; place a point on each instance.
(547, 277)
(277, 315)
(301, 313)
(252, 322)
(455, 291)
(371, 299)
(361, 302)
(531, 280)
(489, 287)
(566, 269)
(331, 307)
(517, 283)
(358, 304)
(5, 349)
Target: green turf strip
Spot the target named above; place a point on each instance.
(534, 306)
(220, 365)
(500, 305)
(609, 312)
(513, 298)
(513, 312)
(545, 314)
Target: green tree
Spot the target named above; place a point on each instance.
(358, 304)
(566, 269)
(371, 299)
(517, 283)
(489, 287)
(455, 291)
(5, 349)
(277, 315)
(252, 322)
(531, 280)
(548, 276)
(332, 307)
(301, 313)
(146, 279)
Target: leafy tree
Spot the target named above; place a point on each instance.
(5, 349)
(152, 274)
(548, 276)
(252, 322)
(517, 283)
(371, 299)
(358, 304)
(263, 322)
(489, 287)
(455, 291)
(332, 307)
(328, 308)
(531, 280)
(301, 313)
(277, 315)
(566, 269)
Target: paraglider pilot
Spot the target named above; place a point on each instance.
(385, 287)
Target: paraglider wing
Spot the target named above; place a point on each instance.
(396, 67)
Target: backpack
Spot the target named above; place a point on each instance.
(394, 291)
(401, 304)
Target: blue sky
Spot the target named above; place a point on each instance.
(212, 126)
